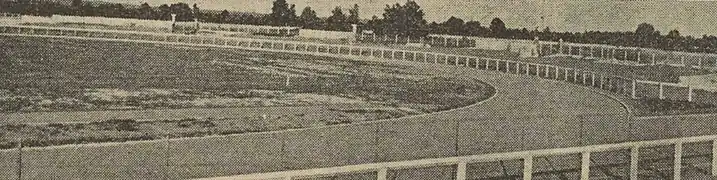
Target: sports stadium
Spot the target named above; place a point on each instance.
(119, 98)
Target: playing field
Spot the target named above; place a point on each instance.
(94, 91)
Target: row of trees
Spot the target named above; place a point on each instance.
(398, 19)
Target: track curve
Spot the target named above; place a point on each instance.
(526, 113)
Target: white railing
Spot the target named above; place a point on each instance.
(527, 157)
(631, 55)
(626, 86)
(621, 85)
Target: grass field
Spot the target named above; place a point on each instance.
(42, 76)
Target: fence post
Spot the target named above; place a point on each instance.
(425, 58)
(592, 77)
(653, 59)
(613, 54)
(566, 74)
(528, 168)
(575, 75)
(677, 169)
(689, 93)
(602, 79)
(19, 160)
(662, 91)
(585, 166)
(634, 89)
(714, 158)
(382, 174)
(638, 56)
(517, 67)
(625, 55)
(634, 155)
(507, 67)
(461, 171)
(557, 72)
(527, 69)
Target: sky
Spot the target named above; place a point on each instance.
(689, 17)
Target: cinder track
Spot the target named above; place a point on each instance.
(526, 113)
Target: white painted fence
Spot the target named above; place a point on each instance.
(629, 87)
(631, 55)
(621, 85)
(527, 157)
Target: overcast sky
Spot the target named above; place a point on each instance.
(689, 17)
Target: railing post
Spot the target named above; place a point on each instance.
(634, 158)
(517, 67)
(634, 89)
(585, 166)
(382, 174)
(566, 74)
(689, 93)
(461, 171)
(592, 77)
(662, 91)
(653, 59)
(575, 75)
(714, 158)
(602, 79)
(527, 68)
(677, 169)
(528, 168)
(557, 72)
(507, 67)
(455, 61)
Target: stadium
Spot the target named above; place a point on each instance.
(89, 97)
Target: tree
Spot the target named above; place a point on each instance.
(354, 15)
(406, 20)
(497, 28)
(76, 7)
(474, 28)
(145, 11)
(282, 14)
(337, 21)
(309, 20)
(454, 26)
(163, 12)
(224, 17)
(674, 40)
(645, 35)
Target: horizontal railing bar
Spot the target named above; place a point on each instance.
(471, 159)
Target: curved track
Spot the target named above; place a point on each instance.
(526, 113)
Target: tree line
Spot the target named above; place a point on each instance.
(405, 20)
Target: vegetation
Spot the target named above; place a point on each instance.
(404, 20)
